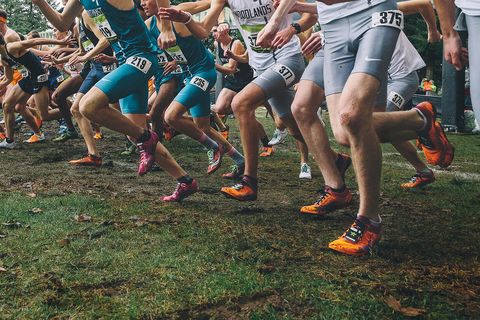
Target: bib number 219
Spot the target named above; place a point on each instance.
(140, 63)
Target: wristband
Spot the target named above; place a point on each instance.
(189, 18)
(297, 27)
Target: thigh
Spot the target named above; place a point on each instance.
(314, 71)
(309, 96)
(136, 102)
(195, 96)
(16, 95)
(473, 25)
(224, 101)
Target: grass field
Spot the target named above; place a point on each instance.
(211, 257)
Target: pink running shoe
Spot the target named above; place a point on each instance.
(147, 154)
(182, 191)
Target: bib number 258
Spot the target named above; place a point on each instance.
(390, 18)
(140, 63)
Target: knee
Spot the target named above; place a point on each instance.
(170, 117)
(8, 107)
(75, 110)
(353, 121)
(303, 113)
(341, 137)
(19, 108)
(86, 107)
(241, 107)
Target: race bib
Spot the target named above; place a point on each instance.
(140, 63)
(390, 18)
(162, 58)
(200, 82)
(109, 68)
(60, 78)
(104, 26)
(286, 73)
(396, 99)
(252, 34)
(88, 45)
(178, 70)
(24, 72)
(176, 53)
(42, 78)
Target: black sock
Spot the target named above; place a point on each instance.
(339, 190)
(185, 179)
(9, 140)
(265, 141)
(251, 181)
(144, 137)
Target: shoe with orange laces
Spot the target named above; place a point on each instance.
(343, 162)
(329, 201)
(359, 239)
(267, 152)
(245, 190)
(432, 139)
(34, 138)
(419, 180)
(88, 161)
(214, 159)
(236, 172)
(98, 136)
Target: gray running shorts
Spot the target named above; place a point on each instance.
(400, 91)
(314, 72)
(352, 45)
(277, 81)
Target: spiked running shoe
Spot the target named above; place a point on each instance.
(182, 191)
(225, 133)
(66, 135)
(236, 172)
(419, 180)
(147, 153)
(6, 145)
(359, 239)
(433, 140)
(279, 136)
(98, 136)
(267, 152)
(214, 159)
(35, 139)
(328, 202)
(2, 136)
(88, 161)
(305, 171)
(242, 191)
(343, 162)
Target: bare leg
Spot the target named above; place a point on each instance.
(162, 101)
(42, 103)
(28, 117)
(15, 95)
(85, 126)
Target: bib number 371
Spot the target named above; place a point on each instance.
(140, 63)
(286, 73)
(390, 18)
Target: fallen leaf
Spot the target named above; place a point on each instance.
(35, 211)
(2, 269)
(64, 242)
(2, 235)
(406, 311)
(31, 194)
(82, 218)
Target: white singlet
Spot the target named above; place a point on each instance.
(469, 7)
(405, 59)
(329, 13)
(250, 18)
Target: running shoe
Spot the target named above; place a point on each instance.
(433, 140)
(147, 153)
(343, 162)
(5, 145)
(236, 172)
(38, 122)
(88, 161)
(214, 159)
(225, 133)
(328, 202)
(2, 136)
(359, 239)
(170, 133)
(267, 152)
(305, 171)
(66, 135)
(98, 136)
(182, 191)
(242, 191)
(419, 180)
(35, 139)
(279, 136)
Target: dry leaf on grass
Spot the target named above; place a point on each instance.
(2, 269)
(31, 194)
(82, 218)
(406, 311)
(35, 211)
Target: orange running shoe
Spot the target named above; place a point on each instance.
(225, 133)
(98, 136)
(419, 180)
(34, 138)
(359, 239)
(267, 152)
(214, 159)
(88, 161)
(2, 136)
(328, 202)
(38, 122)
(236, 172)
(245, 190)
(433, 140)
(343, 162)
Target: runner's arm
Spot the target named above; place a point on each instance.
(16, 47)
(194, 7)
(61, 21)
(7, 77)
(102, 43)
(231, 66)
(425, 8)
(167, 38)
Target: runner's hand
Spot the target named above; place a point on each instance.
(103, 58)
(313, 44)
(434, 36)
(282, 37)
(169, 67)
(267, 35)
(223, 29)
(173, 14)
(76, 59)
(452, 48)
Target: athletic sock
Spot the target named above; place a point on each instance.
(425, 170)
(185, 179)
(207, 142)
(251, 181)
(236, 156)
(265, 141)
(144, 137)
(373, 223)
(424, 119)
(339, 190)
(9, 140)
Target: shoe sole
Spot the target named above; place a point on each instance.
(327, 211)
(86, 165)
(248, 198)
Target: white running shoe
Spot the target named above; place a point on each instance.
(305, 171)
(5, 145)
(279, 136)
(477, 128)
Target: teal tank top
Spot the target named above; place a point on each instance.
(125, 30)
(189, 50)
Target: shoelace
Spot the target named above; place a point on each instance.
(305, 168)
(323, 195)
(355, 232)
(210, 154)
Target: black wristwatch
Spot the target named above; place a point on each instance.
(297, 27)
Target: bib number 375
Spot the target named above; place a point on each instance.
(390, 18)
(140, 63)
